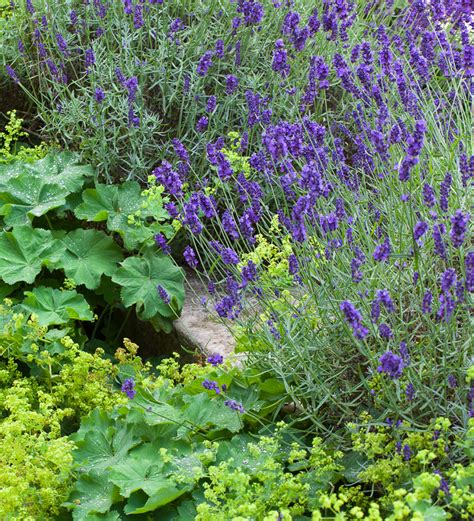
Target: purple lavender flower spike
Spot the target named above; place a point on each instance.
(211, 385)
(293, 264)
(446, 307)
(452, 381)
(419, 230)
(439, 246)
(128, 387)
(73, 18)
(219, 49)
(415, 144)
(62, 44)
(131, 84)
(12, 74)
(406, 452)
(215, 359)
(410, 392)
(459, 223)
(426, 305)
(205, 63)
(235, 406)
(211, 104)
(469, 264)
(429, 195)
(99, 95)
(138, 21)
(29, 7)
(383, 296)
(162, 243)
(127, 6)
(354, 318)
(448, 278)
(385, 331)
(444, 191)
(252, 11)
(279, 63)
(382, 251)
(405, 354)
(202, 124)
(164, 295)
(249, 273)
(170, 179)
(89, 59)
(229, 256)
(190, 257)
(391, 364)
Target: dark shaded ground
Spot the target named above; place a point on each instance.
(13, 98)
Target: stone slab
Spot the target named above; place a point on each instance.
(197, 327)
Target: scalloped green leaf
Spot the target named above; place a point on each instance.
(103, 447)
(113, 204)
(55, 307)
(89, 254)
(139, 278)
(63, 169)
(24, 251)
(137, 474)
(207, 413)
(93, 493)
(163, 496)
(58, 168)
(26, 197)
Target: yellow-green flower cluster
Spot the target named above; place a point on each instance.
(11, 136)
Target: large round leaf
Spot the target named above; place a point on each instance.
(29, 190)
(24, 251)
(54, 307)
(89, 254)
(134, 474)
(63, 169)
(58, 168)
(26, 197)
(140, 277)
(93, 494)
(113, 204)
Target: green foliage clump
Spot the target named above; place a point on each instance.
(4, 8)
(47, 382)
(175, 450)
(11, 148)
(152, 453)
(263, 483)
(98, 240)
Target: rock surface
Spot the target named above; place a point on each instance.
(197, 328)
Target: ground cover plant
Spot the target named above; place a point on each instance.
(45, 210)
(312, 162)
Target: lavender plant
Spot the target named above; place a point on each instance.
(337, 241)
(119, 80)
(319, 155)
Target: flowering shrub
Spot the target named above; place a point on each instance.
(340, 238)
(11, 148)
(120, 108)
(319, 157)
(39, 406)
(118, 80)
